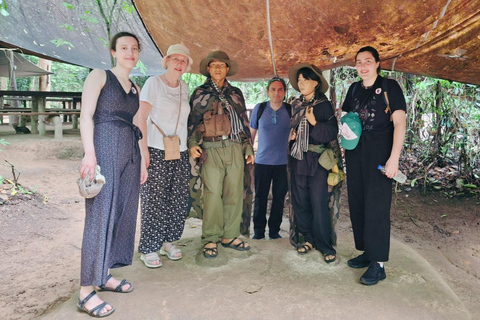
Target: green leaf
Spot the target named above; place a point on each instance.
(443, 216)
(472, 186)
(68, 5)
(141, 65)
(67, 27)
(4, 12)
(103, 40)
(88, 17)
(413, 182)
(127, 7)
(61, 42)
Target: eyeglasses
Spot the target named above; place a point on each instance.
(218, 66)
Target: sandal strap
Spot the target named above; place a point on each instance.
(174, 250)
(104, 286)
(152, 256)
(96, 310)
(305, 248)
(122, 283)
(241, 244)
(85, 300)
(231, 242)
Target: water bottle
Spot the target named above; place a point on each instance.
(399, 177)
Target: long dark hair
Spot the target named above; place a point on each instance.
(374, 53)
(113, 41)
(309, 74)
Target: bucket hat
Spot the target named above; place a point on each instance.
(89, 189)
(177, 49)
(351, 130)
(293, 75)
(218, 56)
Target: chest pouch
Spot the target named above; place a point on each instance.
(216, 124)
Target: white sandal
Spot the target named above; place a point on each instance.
(171, 252)
(148, 258)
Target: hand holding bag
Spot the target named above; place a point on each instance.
(89, 189)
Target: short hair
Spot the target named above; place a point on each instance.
(276, 79)
(113, 41)
(374, 53)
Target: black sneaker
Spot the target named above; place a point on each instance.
(275, 236)
(257, 236)
(359, 262)
(373, 274)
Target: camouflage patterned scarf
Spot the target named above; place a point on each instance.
(202, 100)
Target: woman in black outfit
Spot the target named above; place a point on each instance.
(381, 106)
(313, 126)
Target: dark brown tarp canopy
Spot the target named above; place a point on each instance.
(438, 38)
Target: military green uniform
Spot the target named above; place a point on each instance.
(223, 173)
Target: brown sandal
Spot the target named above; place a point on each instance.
(306, 248)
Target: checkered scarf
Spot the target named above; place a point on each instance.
(237, 126)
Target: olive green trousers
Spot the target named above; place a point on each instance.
(222, 175)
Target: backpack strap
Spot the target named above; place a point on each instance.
(261, 108)
(263, 105)
(355, 85)
(288, 106)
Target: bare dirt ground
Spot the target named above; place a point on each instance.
(41, 231)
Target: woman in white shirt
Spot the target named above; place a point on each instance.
(164, 111)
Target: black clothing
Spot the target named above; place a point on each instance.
(310, 195)
(369, 191)
(264, 176)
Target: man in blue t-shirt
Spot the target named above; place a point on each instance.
(271, 120)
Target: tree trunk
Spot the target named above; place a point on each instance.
(44, 83)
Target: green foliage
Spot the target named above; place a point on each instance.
(68, 77)
(127, 7)
(18, 189)
(68, 6)
(68, 27)
(89, 17)
(140, 65)
(4, 8)
(62, 42)
(139, 80)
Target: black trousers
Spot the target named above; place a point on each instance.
(370, 194)
(264, 176)
(310, 205)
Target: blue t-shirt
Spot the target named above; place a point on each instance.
(273, 129)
